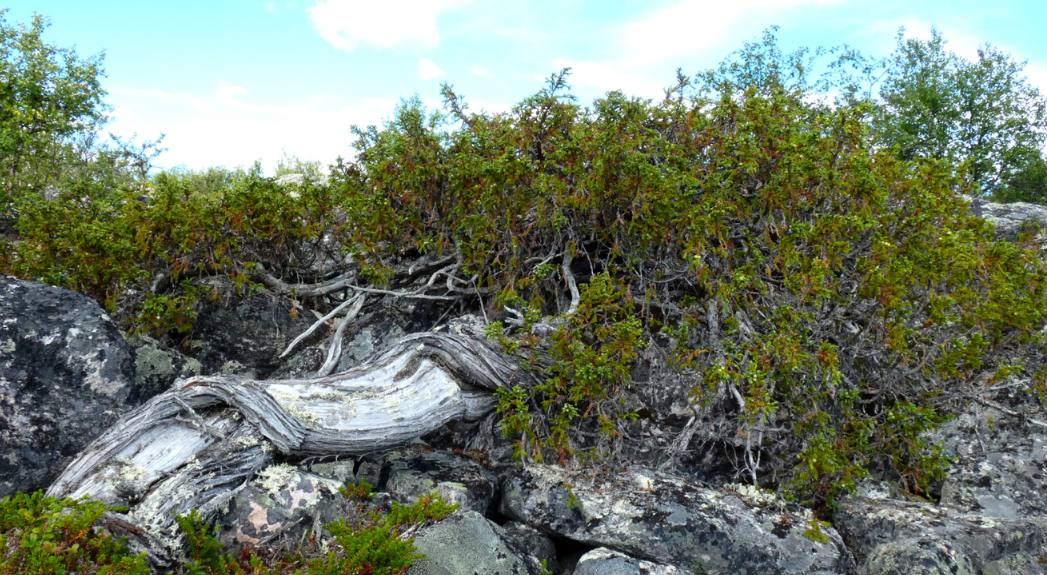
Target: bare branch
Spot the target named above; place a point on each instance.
(318, 323)
(334, 353)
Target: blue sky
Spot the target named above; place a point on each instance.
(232, 81)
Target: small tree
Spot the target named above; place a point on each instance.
(50, 106)
(983, 114)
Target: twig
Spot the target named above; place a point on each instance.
(318, 323)
(399, 294)
(334, 353)
(576, 297)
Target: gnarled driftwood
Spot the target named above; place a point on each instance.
(195, 445)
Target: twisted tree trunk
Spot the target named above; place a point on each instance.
(194, 446)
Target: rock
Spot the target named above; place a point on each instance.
(999, 464)
(467, 544)
(66, 375)
(535, 543)
(603, 561)
(350, 470)
(665, 520)
(411, 473)
(283, 501)
(1010, 219)
(918, 556)
(1017, 564)
(248, 336)
(158, 366)
(876, 531)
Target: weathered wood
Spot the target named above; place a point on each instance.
(193, 446)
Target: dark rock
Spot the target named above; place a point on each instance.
(665, 520)
(468, 544)
(411, 473)
(247, 336)
(604, 561)
(902, 527)
(527, 539)
(66, 375)
(281, 502)
(379, 325)
(158, 366)
(350, 470)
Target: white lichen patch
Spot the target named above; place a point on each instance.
(7, 346)
(276, 478)
(289, 399)
(246, 441)
(124, 472)
(755, 496)
(304, 415)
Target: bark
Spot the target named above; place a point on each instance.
(194, 446)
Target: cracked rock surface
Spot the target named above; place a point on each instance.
(665, 520)
(66, 375)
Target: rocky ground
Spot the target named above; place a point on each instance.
(67, 374)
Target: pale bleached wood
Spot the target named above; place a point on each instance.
(192, 447)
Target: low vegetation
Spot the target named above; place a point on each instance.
(810, 267)
(45, 536)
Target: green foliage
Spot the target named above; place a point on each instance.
(593, 353)
(50, 101)
(46, 536)
(823, 293)
(373, 545)
(43, 536)
(983, 114)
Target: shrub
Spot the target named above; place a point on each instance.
(824, 297)
(43, 536)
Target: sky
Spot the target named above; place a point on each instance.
(229, 82)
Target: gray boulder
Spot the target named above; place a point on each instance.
(999, 461)
(1010, 219)
(883, 532)
(66, 375)
(1017, 564)
(604, 561)
(468, 544)
(411, 473)
(918, 556)
(665, 520)
(283, 502)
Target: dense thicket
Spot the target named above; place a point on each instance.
(828, 297)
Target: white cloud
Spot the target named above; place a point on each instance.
(608, 76)
(270, 7)
(479, 71)
(1036, 72)
(384, 23)
(695, 25)
(427, 69)
(226, 128)
(228, 91)
(963, 44)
